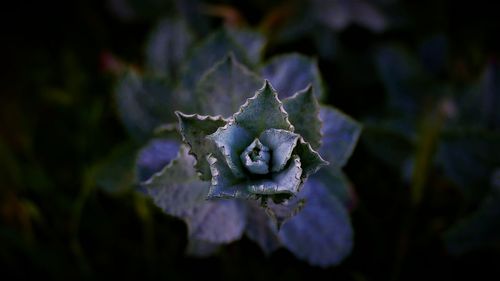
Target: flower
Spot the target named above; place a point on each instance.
(256, 154)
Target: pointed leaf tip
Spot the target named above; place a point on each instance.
(194, 129)
(303, 112)
(263, 111)
(225, 87)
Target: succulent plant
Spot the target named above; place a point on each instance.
(255, 154)
(242, 173)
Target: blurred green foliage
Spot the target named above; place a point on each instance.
(422, 75)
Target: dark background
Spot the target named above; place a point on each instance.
(57, 119)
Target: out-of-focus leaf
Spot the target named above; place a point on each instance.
(141, 9)
(280, 212)
(201, 249)
(340, 135)
(219, 221)
(115, 173)
(326, 42)
(210, 51)
(144, 104)
(225, 87)
(338, 184)
(168, 47)
(177, 190)
(292, 73)
(491, 96)
(303, 113)
(478, 103)
(260, 229)
(321, 233)
(469, 158)
(10, 168)
(402, 77)
(263, 111)
(387, 144)
(194, 130)
(154, 156)
(253, 43)
(338, 14)
(482, 228)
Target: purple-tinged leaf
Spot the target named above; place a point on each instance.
(321, 233)
(225, 87)
(292, 73)
(340, 135)
(177, 190)
(303, 113)
(157, 154)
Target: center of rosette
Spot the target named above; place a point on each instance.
(256, 158)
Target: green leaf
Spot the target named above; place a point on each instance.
(115, 173)
(177, 190)
(224, 183)
(303, 113)
(340, 135)
(231, 140)
(310, 159)
(286, 182)
(291, 73)
(168, 46)
(144, 103)
(281, 144)
(321, 233)
(263, 111)
(213, 49)
(194, 130)
(225, 87)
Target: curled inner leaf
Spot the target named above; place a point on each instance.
(256, 157)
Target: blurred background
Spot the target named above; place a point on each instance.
(422, 76)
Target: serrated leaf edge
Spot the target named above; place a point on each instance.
(317, 108)
(267, 85)
(323, 161)
(181, 131)
(158, 174)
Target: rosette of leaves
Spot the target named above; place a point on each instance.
(256, 154)
(269, 158)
